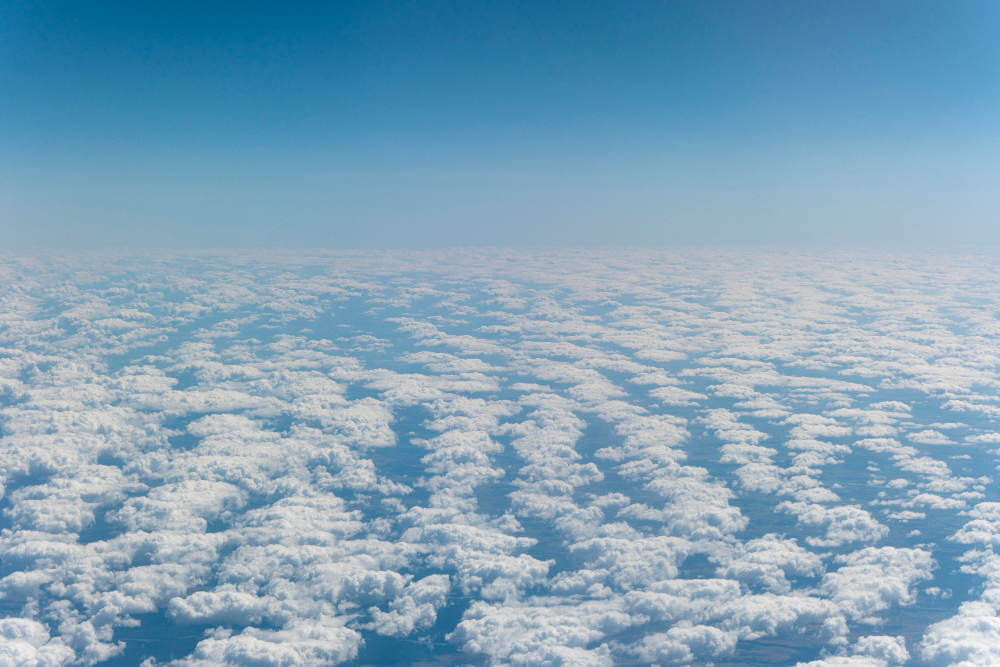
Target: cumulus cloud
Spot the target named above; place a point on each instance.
(769, 560)
(542, 633)
(321, 642)
(597, 456)
(891, 650)
(840, 525)
(415, 609)
(872, 579)
(930, 437)
(683, 644)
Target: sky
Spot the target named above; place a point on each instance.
(438, 124)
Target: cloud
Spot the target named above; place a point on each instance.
(767, 561)
(930, 437)
(416, 609)
(542, 633)
(841, 525)
(871, 580)
(323, 641)
(26, 642)
(971, 637)
(684, 644)
(219, 607)
(844, 661)
(676, 396)
(307, 450)
(891, 650)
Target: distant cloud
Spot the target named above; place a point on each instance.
(596, 457)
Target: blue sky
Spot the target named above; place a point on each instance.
(437, 124)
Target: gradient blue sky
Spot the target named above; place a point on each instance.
(489, 123)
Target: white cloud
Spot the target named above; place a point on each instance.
(416, 609)
(323, 641)
(971, 637)
(891, 650)
(841, 525)
(930, 437)
(539, 634)
(26, 642)
(767, 560)
(179, 435)
(870, 580)
(683, 644)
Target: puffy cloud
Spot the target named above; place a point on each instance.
(219, 607)
(415, 609)
(26, 642)
(324, 641)
(676, 396)
(546, 632)
(755, 616)
(767, 560)
(872, 579)
(891, 650)
(930, 437)
(984, 528)
(554, 437)
(971, 637)
(183, 506)
(990, 438)
(683, 644)
(365, 423)
(844, 661)
(841, 525)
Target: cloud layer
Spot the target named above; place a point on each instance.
(575, 458)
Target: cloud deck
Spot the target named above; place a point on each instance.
(500, 457)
